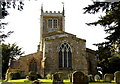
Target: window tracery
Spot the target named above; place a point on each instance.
(65, 56)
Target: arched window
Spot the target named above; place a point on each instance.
(33, 66)
(65, 56)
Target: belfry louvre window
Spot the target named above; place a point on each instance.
(52, 23)
(55, 23)
(65, 56)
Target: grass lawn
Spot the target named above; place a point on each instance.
(48, 81)
(43, 81)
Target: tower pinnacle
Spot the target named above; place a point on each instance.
(63, 8)
(41, 9)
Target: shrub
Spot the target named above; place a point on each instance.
(39, 76)
(32, 76)
(15, 75)
(49, 76)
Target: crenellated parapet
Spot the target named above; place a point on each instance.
(52, 13)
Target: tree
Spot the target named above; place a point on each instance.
(110, 49)
(110, 21)
(4, 5)
(9, 52)
(107, 61)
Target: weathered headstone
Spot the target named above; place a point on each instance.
(108, 77)
(57, 79)
(91, 78)
(70, 77)
(97, 78)
(79, 78)
(117, 77)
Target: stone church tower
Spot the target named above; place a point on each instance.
(58, 51)
(50, 22)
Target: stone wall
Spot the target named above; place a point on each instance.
(92, 61)
(51, 49)
(24, 63)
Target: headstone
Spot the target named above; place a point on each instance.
(70, 77)
(108, 77)
(117, 77)
(57, 79)
(79, 78)
(91, 78)
(97, 78)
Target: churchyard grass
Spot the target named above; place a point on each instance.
(101, 83)
(48, 81)
(43, 81)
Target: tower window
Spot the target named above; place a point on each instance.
(65, 56)
(52, 23)
(55, 23)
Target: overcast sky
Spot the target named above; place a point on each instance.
(26, 23)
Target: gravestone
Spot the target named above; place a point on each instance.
(97, 78)
(108, 77)
(70, 77)
(79, 78)
(57, 79)
(91, 78)
(117, 77)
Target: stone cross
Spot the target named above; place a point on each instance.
(79, 78)
(117, 77)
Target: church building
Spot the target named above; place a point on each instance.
(58, 51)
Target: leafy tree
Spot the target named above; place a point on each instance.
(4, 5)
(9, 52)
(107, 60)
(110, 21)
(108, 50)
(114, 64)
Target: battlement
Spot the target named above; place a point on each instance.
(52, 13)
